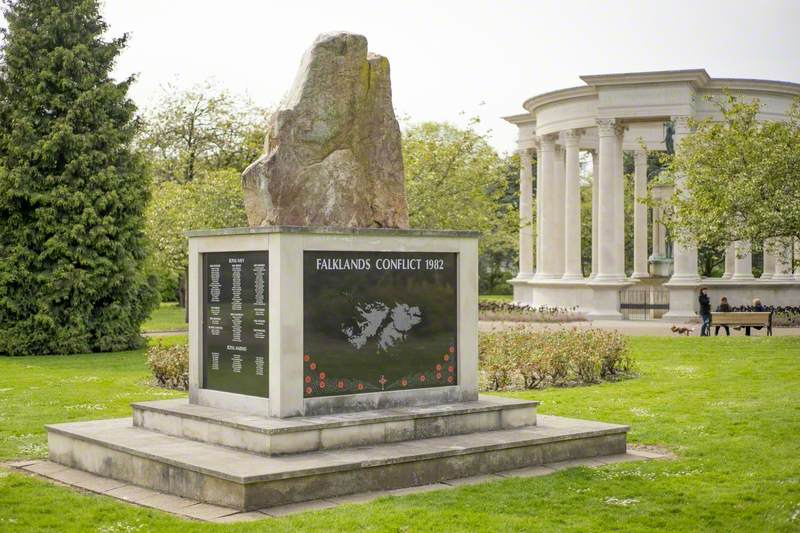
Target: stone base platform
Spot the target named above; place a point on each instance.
(458, 445)
(277, 436)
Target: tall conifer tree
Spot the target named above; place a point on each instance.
(72, 192)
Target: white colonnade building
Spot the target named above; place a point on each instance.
(611, 114)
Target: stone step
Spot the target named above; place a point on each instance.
(246, 481)
(276, 436)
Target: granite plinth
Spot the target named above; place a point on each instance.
(234, 478)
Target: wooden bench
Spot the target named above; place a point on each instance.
(744, 319)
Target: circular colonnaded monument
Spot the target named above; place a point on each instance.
(611, 114)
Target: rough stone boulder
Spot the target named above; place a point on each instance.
(332, 154)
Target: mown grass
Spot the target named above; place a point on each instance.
(168, 317)
(496, 297)
(729, 408)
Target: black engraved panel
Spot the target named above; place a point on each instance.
(378, 321)
(236, 322)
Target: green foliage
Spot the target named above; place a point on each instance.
(169, 364)
(72, 194)
(524, 359)
(455, 180)
(212, 200)
(740, 178)
(201, 129)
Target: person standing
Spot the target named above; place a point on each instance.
(705, 312)
(723, 307)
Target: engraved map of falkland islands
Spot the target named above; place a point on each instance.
(374, 323)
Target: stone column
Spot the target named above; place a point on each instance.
(640, 216)
(659, 237)
(783, 260)
(538, 211)
(768, 251)
(743, 269)
(559, 190)
(608, 248)
(684, 257)
(730, 261)
(572, 208)
(619, 204)
(525, 214)
(549, 239)
(595, 204)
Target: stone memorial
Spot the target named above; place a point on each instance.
(335, 356)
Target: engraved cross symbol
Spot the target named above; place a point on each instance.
(382, 381)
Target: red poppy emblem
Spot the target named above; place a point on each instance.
(313, 366)
(308, 390)
(306, 358)
(308, 379)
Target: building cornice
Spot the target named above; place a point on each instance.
(554, 96)
(522, 118)
(697, 77)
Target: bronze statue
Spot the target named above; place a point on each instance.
(669, 131)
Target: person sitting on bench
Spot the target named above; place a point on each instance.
(723, 307)
(757, 306)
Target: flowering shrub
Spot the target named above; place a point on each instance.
(170, 365)
(783, 316)
(511, 312)
(522, 359)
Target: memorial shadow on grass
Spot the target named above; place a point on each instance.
(728, 408)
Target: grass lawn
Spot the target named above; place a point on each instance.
(496, 297)
(729, 408)
(168, 317)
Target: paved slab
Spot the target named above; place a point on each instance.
(252, 516)
(132, 493)
(294, 508)
(472, 480)
(45, 468)
(86, 481)
(206, 511)
(529, 471)
(419, 489)
(166, 502)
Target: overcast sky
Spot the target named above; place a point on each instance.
(452, 60)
